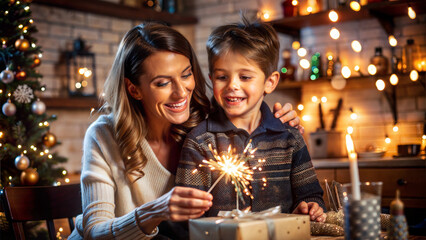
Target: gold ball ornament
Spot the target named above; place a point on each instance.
(49, 140)
(21, 75)
(29, 176)
(22, 162)
(36, 62)
(22, 44)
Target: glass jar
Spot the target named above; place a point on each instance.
(287, 70)
(411, 57)
(289, 10)
(380, 61)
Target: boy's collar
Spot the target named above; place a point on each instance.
(218, 122)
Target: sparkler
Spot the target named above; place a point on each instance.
(234, 167)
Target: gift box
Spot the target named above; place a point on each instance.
(276, 227)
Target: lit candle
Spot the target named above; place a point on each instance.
(353, 167)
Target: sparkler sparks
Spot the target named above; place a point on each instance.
(234, 166)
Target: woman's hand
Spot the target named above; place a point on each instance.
(315, 212)
(179, 204)
(287, 114)
(186, 203)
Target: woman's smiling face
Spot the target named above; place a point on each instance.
(166, 87)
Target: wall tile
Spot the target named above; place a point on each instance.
(86, 34)
(97, 21)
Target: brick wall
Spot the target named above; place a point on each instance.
(58, 28)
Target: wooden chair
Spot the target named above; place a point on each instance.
(41, 203)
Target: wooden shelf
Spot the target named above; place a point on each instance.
(383, 11)
(357, 81)
(71, 103)
(120, 11)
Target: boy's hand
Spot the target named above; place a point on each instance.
(287, 114)
(315, 212)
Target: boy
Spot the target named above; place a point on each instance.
(243, 59)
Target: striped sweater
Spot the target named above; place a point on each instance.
(288, 169)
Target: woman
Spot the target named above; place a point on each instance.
(155, 92)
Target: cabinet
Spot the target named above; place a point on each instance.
(384, 11)
(407, 175)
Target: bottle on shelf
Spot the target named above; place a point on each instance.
(153, 4)
(169, 6)
(308, 7)
(287, 70)
(411, 57)
(329, 66)
(380, 61)
(337, 67)
(315, 66)
(289, 10)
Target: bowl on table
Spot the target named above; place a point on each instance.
(371, 154)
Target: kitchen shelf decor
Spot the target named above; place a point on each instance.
(384, 11)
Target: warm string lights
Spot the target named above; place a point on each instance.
(353, 116)
(354, 5)
(66, 180)
(411, 12)
(333, 16)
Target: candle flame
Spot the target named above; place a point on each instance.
(349, 144)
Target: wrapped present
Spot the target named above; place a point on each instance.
(272, 227)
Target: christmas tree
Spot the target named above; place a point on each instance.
(25, 140)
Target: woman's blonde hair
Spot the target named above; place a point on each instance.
(128, 114)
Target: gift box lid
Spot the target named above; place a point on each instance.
(279, 226)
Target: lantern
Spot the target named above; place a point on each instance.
(81, 71)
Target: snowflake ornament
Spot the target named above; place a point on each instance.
(23, 94)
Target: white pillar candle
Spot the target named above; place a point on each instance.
(353, 167)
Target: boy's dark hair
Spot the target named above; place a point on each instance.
(256, 41)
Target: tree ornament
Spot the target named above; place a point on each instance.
(36, 62)
(49, 140)
(29, 176)
(6, 76)
(38, 107)
(21, 75)
(22, 162)
(22, 44)
(23, 94)
(9, 109)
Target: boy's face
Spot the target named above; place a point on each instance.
(239, 85)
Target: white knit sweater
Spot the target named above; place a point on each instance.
(110, 202)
